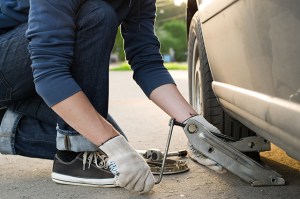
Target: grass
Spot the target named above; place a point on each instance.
(123, 66)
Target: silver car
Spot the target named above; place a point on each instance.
(244, 67)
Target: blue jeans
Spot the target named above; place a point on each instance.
(29, 127)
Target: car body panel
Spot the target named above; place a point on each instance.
(274, 119)
(253, 48)
(212, 8)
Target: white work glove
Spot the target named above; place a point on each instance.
(130, 169)
(196, 155)
(205, 123)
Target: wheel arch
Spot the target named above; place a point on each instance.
(217, 115)
(192, 8)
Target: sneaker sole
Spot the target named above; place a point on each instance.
(69, 180)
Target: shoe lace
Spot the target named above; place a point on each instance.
(98, 158)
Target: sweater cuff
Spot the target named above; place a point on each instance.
(56, 91)
(150, 80)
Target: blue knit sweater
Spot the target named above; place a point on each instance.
(51, 63)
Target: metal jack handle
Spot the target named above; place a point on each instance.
(171, 124)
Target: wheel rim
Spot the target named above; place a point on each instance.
(197, 99)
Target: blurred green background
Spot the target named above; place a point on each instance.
(170, 28)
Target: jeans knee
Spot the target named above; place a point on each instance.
(95, 14)
(5, 91)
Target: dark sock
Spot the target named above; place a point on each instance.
(66, 156)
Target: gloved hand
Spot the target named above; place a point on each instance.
(196, 155)
(130, 169)
(204, 122)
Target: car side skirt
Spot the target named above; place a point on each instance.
(267, 116)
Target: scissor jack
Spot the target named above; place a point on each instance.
(228, 153)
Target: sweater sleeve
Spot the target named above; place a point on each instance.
(143, 48)
(51, 34)
(13, 12)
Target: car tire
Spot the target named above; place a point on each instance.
(201, 94)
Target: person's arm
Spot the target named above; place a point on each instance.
(142, 47)
(170, 100)
(51, 34)
(79, 113)
(143, 53)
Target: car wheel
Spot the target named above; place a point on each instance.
(202, 97)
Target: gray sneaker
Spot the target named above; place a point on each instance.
(87, 169)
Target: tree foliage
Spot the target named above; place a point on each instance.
(172, 35)
(170, 29)
(119, 46)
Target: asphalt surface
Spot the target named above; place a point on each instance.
(146, 127)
